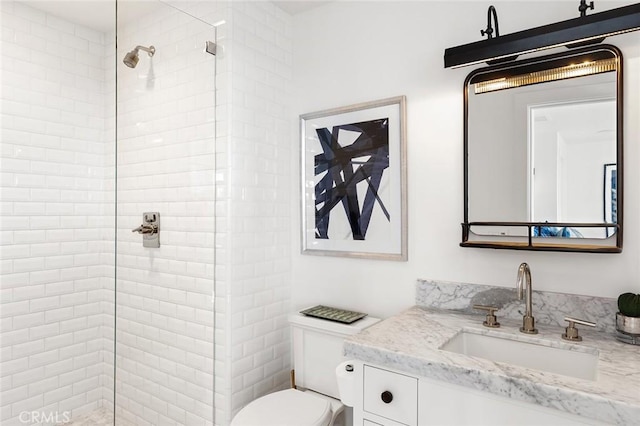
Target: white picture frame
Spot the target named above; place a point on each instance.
(353, 174)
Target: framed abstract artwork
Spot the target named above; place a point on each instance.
(610, 196)
(354, 181)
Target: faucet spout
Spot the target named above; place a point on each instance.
(524, 287)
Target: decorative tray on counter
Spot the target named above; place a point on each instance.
(333, 314)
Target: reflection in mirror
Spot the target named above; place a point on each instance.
(569, 145)
(542, 148)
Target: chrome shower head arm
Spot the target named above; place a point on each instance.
(150, 50)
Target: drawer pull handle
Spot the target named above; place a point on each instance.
(386, 396)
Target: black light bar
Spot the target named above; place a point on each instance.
(592, 28)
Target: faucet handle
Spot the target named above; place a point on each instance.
(490, 320)
(571, 332)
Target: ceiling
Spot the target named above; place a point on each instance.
(582, 122)
(293, 7)
(100, 14)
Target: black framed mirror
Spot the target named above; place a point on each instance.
(543, 153)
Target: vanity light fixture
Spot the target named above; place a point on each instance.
(491, 13)
(547, 75)
(580, 31)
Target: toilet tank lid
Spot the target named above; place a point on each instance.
(296, 318)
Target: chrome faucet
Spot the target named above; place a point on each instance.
(523, 285)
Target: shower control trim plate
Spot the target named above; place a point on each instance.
(150, 229)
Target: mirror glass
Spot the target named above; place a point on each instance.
(542, 150)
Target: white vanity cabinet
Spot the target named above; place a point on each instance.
(388, 397)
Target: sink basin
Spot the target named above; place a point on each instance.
(563, 358)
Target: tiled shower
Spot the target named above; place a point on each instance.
(94, 325)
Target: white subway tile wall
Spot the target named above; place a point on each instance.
(254, 151)
(166, 164)
(109, 256)
(223, 203)
(56, 218)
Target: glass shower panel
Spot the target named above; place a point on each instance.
(165, 174)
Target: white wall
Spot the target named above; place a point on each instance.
(56, 217)
(582, 182)
(545, 162)
(492, 195)
(349, 52)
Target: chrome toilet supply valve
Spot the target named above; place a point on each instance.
(571, 332)
(490, 320)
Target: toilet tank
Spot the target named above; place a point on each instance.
(317, 350)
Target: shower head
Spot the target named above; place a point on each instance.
(131, 59)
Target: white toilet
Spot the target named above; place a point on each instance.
(317, 351)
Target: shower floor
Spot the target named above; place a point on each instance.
(98, 417)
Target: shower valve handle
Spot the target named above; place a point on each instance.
(146, 229)
(150, 229)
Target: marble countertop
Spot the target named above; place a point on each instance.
(409, 342)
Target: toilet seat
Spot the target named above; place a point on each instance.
(289, 407)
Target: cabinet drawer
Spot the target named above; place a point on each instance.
(391, 395)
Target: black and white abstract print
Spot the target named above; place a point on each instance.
(348, 176)
(353, 180)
